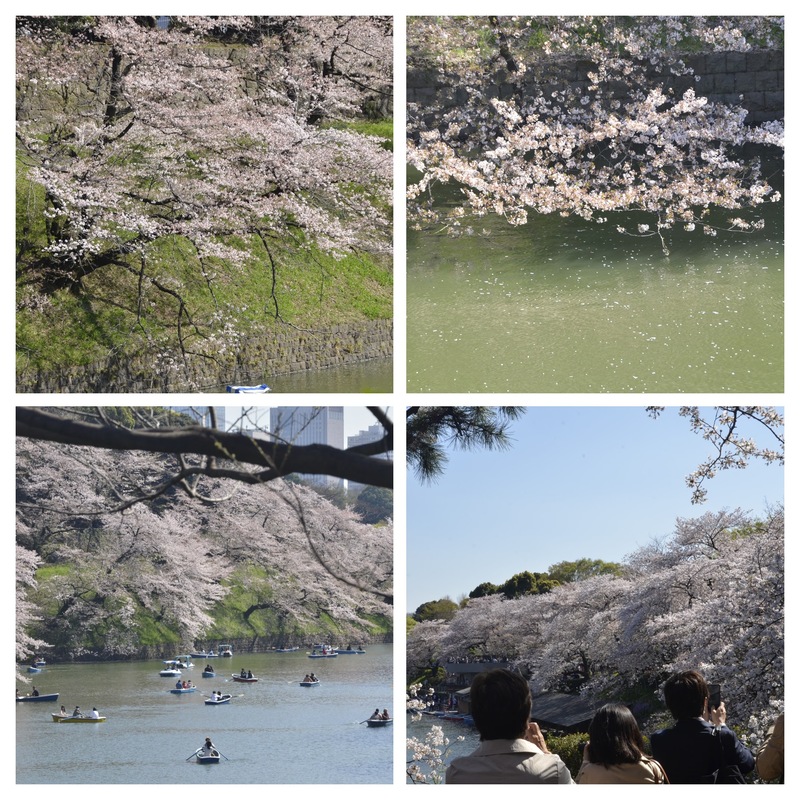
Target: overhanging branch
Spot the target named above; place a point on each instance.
(276, 459)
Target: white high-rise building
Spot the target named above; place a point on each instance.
(310, 425)
(373, 434)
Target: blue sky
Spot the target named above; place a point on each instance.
(595, 482)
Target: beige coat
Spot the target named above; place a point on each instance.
(644, 771)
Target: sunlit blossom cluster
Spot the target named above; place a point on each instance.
(639, 148)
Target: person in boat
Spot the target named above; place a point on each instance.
(77, 712)
(208, 748)
(178, 685)
(249, 674)
(314, 678)
(63, 711)
(34, 691)
(94, 714)
(385, 714)
(376, 714)
(242, 674)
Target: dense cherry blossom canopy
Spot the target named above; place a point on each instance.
(215, 142)
(623, 142)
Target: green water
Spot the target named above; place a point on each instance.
(274, 731)
(560, 305)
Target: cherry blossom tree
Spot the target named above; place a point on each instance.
(710, 596)
(27, 563)
(284, 559)
(733, 432)
(163, 164)
(636, 137)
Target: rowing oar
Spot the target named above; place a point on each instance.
(193, 754)
(223, 755)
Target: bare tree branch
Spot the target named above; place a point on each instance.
(276, 459)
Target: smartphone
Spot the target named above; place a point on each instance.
(714, 695)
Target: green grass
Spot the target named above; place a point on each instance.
(312, 290)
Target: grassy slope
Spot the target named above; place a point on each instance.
(312, 292)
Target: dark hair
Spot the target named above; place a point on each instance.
(614, 736)
(685, 694)
(501, 704)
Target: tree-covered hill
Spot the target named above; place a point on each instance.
(184, 188)
(269, 563)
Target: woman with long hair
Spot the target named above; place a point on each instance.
(615, 750)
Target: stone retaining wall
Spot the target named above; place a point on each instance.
(279, 353)
(757, 76)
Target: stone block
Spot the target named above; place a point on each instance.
(767, 81)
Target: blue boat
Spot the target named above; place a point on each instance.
(38, 698)
(262, 388)
(184, 691)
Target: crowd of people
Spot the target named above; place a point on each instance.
(698, 748)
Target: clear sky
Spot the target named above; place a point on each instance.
(594, 482)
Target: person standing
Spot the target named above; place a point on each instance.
(769, 759)
(615, 750)
(512, 748)
(699, 747)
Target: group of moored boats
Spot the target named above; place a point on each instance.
(327, 651)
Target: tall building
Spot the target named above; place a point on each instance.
(373, 434)
(310, 425)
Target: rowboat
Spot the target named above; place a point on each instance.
(206, 674)
(34, 669)
(170, 672)
(323, 651)
(309, 683)
(209, 654)
(240, 679)
(225, 650)
(350, 651)
(262, 388)
(378, 723)
(39, 662)
(58, 718)
(218, 701)
(184, 691)
(207, 757)
(286, 649)
(39, 698)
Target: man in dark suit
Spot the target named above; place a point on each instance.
(699, 743)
